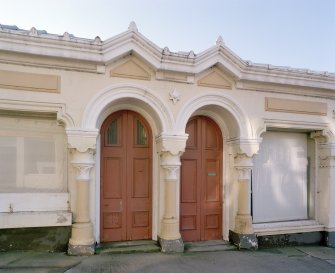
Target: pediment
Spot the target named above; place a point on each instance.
(131, 68)
(216, 79)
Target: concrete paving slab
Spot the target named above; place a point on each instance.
(331, 261)
(27, 270)
(291, 252)
(196, 262)
(50, 260)
(282, 261)
(9, 257)
(325, 253)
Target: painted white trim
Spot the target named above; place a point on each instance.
(287, 227)
(120, 92)
(95, 206)
(213, 98)
(35, 219)
(25, 201)
(40, 108)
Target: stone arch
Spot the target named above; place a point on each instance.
(138, 99)
(222, 109)
(131, 97)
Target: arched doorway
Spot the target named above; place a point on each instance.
(201, 181)
(126, 178)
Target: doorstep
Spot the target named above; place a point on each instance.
(207, 246)
(142, 246)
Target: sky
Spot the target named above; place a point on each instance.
(295, 33)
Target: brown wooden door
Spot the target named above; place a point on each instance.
(201, 182)
(126, 164)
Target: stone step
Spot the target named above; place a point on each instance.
(207, 246)
(144, 246)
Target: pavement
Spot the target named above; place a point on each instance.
(304, 259)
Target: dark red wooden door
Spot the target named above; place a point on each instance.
(201, 182)
(126, 164)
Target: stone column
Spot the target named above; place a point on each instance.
(82, 239)
(171, 148)
(243, 235)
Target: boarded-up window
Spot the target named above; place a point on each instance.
(279, 180)
(32, 155)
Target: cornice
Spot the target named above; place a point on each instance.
(50, 45)
(288, 76)
(94, 51)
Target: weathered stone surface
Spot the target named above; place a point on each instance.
(330, 239)
(294, 239)
(41, 239)
(171, 246)
(81, 250)
(243, 241)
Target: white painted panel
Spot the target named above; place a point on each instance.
(35, 219)
(279, 180)
(32, 155)
(37, 202)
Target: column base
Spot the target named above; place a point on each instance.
(171, 246)
(81, 242)
(170, 229)
(81, 250)
(243, 241)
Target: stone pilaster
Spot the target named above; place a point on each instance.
(326, 183)
(82, 239)
(171, 148)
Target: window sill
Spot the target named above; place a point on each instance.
(35, 202)
(35, 219)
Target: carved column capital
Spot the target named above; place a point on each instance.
(83, 162)
(82, 141)
(243, 161)
(171, 172)
(323, 136)
(327, 161)
(244, 173)
(174, 144)
(83, 171)
(326, 155)
(247, 147)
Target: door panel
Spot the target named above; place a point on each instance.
(126, 157)
(141, 178)
(201, 182)
(189, 190)
(113, 169)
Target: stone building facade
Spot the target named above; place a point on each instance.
(121, 140)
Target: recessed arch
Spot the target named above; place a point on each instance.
(133, 97)
(151, 107)
(218, 106)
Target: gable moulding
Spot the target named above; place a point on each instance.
(130, 68)
(215, 78)
(102, 53)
